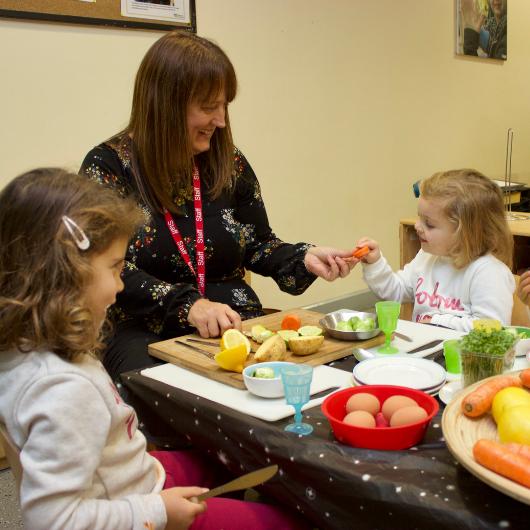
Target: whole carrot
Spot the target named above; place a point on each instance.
(519, 449)
(501, 460)
(525, 377)
(479, 401)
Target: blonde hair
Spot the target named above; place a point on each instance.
(43, 272)
(474, 204)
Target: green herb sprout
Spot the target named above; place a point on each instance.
(496, 342)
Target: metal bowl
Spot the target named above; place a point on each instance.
(330, 321)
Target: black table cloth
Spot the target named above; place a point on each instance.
(334, 486)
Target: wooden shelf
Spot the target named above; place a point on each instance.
(409, 242)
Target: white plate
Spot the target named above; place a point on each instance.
(401, 371)
(431, 391)
(449, 391)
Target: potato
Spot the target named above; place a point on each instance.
(305, 345)
(273, 349)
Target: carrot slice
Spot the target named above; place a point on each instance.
(291, 322)
(501, 460)
(479, 401)
(360, 252)
(525, 377)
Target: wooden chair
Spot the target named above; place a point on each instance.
(12, 454)
(520, 311)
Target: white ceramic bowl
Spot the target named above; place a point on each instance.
(522, 346)
(267, 388)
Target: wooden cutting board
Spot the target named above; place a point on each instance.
(175, 351)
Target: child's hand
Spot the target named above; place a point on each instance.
(374, 253)
(182, 506)
(523, 289)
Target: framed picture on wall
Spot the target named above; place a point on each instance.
(481, 28)
(145, 14)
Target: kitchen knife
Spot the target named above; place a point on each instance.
(402, 337)
(208, 354)
(242, 483)
(426, 346)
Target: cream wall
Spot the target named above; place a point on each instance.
(342, 105)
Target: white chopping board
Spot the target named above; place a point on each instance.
(420, 334)
(324, 377)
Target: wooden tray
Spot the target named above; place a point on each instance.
(332, 349)
(461, 433)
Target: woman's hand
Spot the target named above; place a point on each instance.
(328, 263)
(523, 289)
(374, 253)
(182, 506)
(212, 319)
(471, 17)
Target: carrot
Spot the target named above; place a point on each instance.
(525, 377)
(291, 322)
(479, 401)
(501, 460)
(518, 449)
(360, 252)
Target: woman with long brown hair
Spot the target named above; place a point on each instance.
(205, 218)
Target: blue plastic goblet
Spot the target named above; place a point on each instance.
(296, 381)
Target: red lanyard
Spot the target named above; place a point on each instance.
(199, 235)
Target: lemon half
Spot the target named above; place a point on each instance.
(232, 338)
(232, 359)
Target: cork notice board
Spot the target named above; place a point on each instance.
(147, 14)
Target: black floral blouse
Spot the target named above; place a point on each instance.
(159, 286)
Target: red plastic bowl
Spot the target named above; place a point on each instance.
(402, 437)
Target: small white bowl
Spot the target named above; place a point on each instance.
(267, 388)
(522, 346)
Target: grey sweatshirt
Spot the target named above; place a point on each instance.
(85, 464)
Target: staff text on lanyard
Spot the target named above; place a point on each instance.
(200, 273)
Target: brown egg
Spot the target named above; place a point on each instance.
(359, 418)
(407, 415)
(363, 401)
(394, 403)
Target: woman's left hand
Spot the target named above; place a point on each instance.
(328, 263)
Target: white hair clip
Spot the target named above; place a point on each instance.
(77, 233)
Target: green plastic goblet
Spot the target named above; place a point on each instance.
(387, 317)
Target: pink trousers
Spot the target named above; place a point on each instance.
(188, 468)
